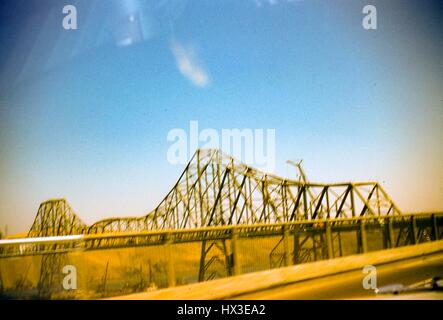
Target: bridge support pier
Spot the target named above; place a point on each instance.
(286, 247)
(216, 254)
(391, 233)
(329, 241)
(170, 269)
(363, 238)
(50, 280)
(435, 232)
(413, 230)
(235, 262)
(296, 254)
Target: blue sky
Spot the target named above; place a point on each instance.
(86, 118)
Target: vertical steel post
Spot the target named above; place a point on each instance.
(314, 244)
(352, 199)
(286, 245)
(385, 234)
(413, 230)
(363, 239)
(435, 232)
(296, 255)
(329, 240)
(170, 269)
(391, 233)
(201, 272)
(234, 255)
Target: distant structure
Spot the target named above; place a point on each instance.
(217, 190)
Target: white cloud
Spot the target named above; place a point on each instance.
(188, 64)
(259, 3)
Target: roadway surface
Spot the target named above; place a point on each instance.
(349, 285)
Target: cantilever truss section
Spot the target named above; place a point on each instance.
(54, 218)
(215, 189)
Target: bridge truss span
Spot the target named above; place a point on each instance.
(217, 190)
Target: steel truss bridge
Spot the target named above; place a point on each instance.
(216, 190)
(217, 201)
